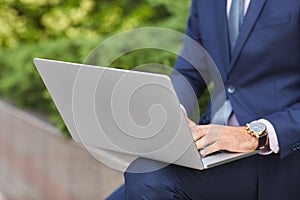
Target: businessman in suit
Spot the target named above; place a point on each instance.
(256, 47)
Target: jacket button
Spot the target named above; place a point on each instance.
(294, 148)
(230, 89)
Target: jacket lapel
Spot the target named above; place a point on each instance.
(251, 17)
(216, 12)
(224, 34)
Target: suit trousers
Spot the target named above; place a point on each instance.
(235, 180)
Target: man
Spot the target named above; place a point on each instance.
(256, 47)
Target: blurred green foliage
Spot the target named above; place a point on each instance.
(35, 20)
(20, 81)
(68, 30)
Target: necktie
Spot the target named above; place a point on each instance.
(235, 20)
(222, 115)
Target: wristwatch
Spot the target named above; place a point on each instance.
(258, 130)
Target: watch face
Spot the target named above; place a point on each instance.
(257, 127)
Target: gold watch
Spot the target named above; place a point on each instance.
(258, 130)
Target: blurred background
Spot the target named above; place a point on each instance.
(37, 158)
(69, 30)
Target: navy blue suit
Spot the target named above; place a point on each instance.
(262, 74)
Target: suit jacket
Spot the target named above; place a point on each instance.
(261, 77)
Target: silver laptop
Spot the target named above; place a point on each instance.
(125, 111)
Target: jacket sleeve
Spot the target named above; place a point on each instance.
(189, 73)
(287, 126)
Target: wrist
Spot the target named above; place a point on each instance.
(237, 139)
(253, 141)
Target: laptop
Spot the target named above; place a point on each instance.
(124, 111)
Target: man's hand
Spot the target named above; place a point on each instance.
(212, 138)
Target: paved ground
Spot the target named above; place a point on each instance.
(35, 163)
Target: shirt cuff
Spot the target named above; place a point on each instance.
(273, 140)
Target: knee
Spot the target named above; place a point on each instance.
(144, 186)
(151, 185)
(136, 185)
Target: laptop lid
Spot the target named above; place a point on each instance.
(130, 112)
